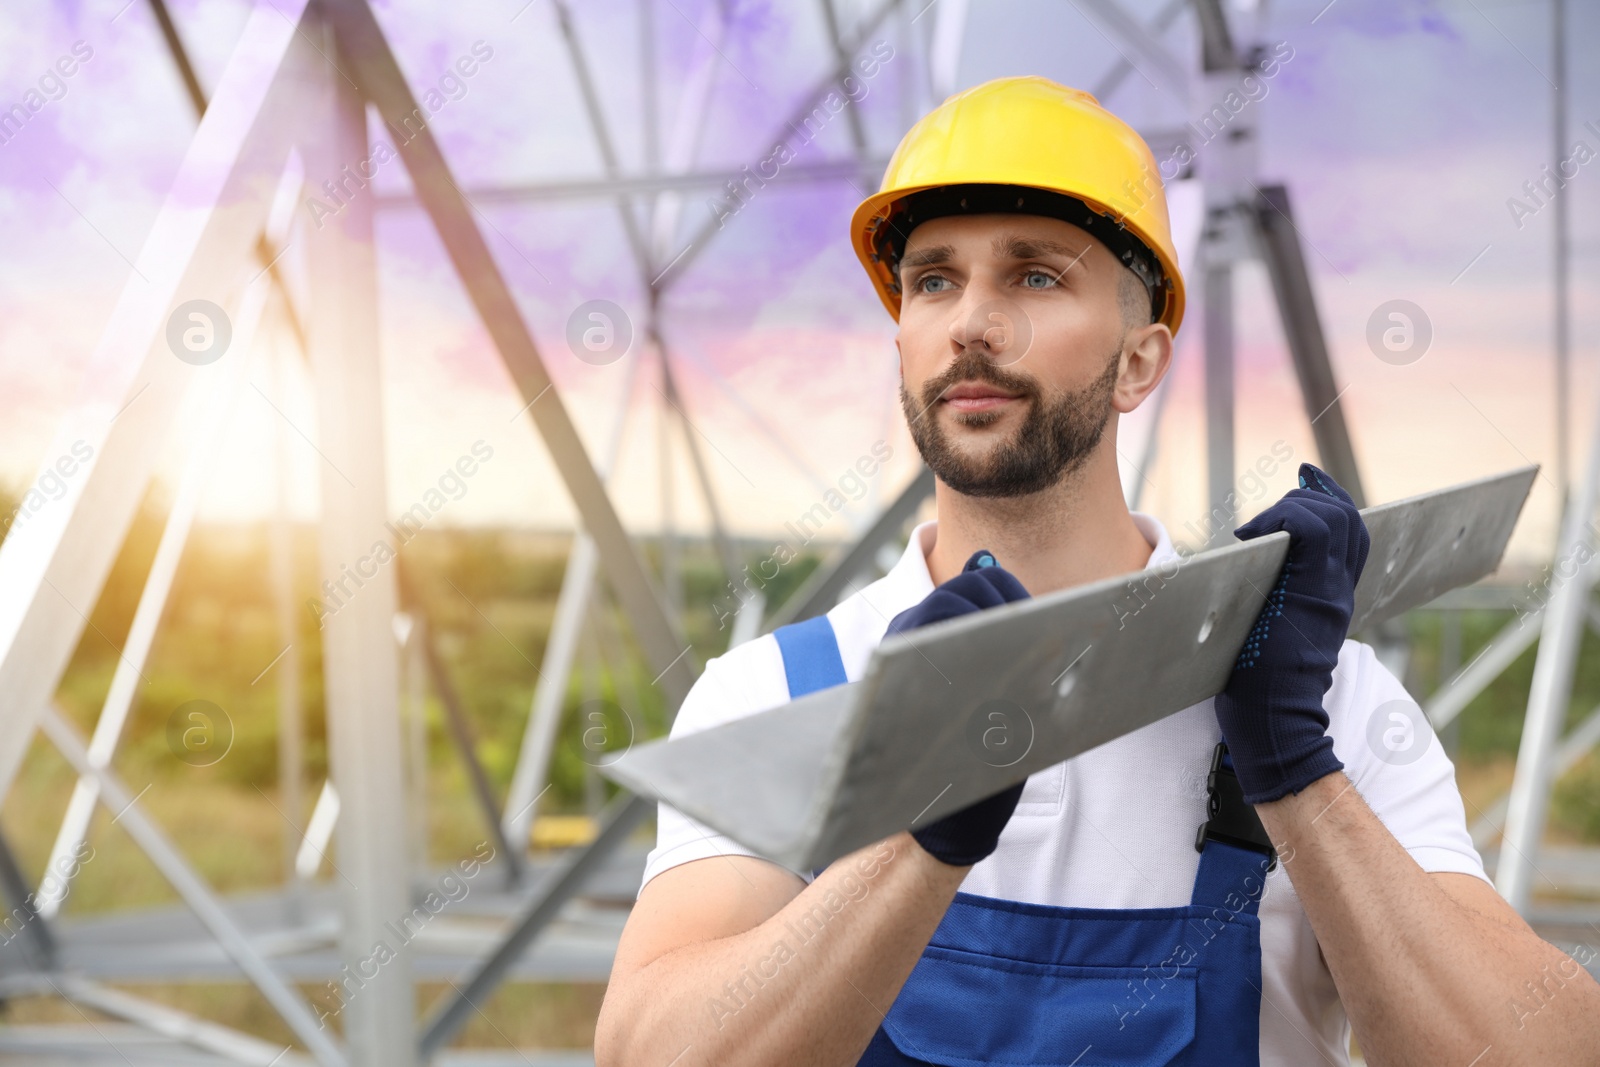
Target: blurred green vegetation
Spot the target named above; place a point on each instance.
(1492, 724)
(1489, 730)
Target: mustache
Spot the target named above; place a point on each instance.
(970, 366)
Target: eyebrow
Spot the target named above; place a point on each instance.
(1008, 246)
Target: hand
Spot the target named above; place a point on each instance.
(964, 837)
(1271, 712)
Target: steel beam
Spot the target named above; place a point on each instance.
(220, 395)
(649, 86)
(233, 1045)
(809, 781)
(530, 778)
(607, 188)
(779, 444)
(1217, 52)
(688, 127)
(195, 893)
(360, 664)
(1491, 661)
(1155, 28)
(858, 131)
(1561, 267)
(362, 40)
(1576, 745)
(1154, 60)
(313, 850)
(1551, 691)
(824, 587)
(602, 134)
(53, 567)
(35, 923)
(808, 102)
(667, 538)
(450, 1014)
(291, 720)
(415, 687)
(266, 250)
(647, 272)
(1302, 328)
(460, 728)
(1219, 393)
(727, 555)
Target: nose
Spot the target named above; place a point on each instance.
(990, 325)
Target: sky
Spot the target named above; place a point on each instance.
(1404, 131)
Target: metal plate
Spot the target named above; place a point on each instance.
(953, 712)
(1425, 546)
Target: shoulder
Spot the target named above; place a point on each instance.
(742, 681)
(750, 677)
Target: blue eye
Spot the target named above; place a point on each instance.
(1048, 279)
(922, 283)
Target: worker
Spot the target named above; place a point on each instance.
(1243, 882)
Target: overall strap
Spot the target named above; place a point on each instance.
(810, 656)
(810, 660)
(1236, 853)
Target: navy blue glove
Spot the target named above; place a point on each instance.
(964, 837)
(1271, 712)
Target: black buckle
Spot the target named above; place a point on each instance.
(1231, 821)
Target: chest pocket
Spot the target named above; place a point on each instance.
(1044, 793)
(960, 1009)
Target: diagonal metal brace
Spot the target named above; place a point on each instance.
(452, 1012)
(363, 43)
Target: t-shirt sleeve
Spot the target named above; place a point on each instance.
(1397, 763)
(715, 698)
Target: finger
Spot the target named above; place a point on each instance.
(1302, 519)
(983, 565)
(1269, 521)
(1315, 478)
(939, 605)
(980, 559)
(1349, 541)
(1004, 583)
(981, 589)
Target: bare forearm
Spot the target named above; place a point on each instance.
(808, 986)
(1424, 978)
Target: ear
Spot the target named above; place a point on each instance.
(1146, 358)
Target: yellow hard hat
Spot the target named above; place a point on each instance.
(1033, 146)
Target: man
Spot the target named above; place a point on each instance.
(1021, 243)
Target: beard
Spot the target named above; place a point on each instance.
(1055, 439)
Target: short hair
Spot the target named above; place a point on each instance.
(1134, 300)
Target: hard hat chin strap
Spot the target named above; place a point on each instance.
(890, 234)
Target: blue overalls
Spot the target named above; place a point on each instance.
(1034, 985)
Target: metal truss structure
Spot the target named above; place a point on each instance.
(293, 101)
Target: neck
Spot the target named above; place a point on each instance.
(1076, 531)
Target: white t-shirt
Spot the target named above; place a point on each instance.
(1115, 826)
